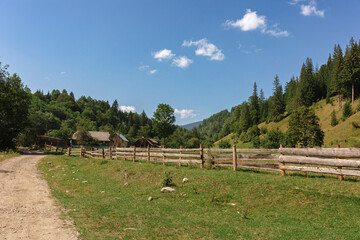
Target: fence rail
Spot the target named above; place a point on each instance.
(338, 161)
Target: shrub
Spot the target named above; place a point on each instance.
(273, 139)
(347, 111)
(167, 179)
(224, 144)
(334, 120)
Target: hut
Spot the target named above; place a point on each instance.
(145, 142)
(43, 140)
(104, 138)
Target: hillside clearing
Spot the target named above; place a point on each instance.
(213, 204)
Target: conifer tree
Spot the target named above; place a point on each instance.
(244, 123)
(277, 105)
(337, 81)
(307, 84)
(329, 66)
(254, 107)
(334, 120)
(351, 72)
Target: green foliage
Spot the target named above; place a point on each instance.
(86, 139)
(347, 111)
(334, 120)
(14, 107)
(254, 108)
(224, 144)
(244, 118)
(277, 104)
(163, 120)
(167, 179)
(304, 128)
(273, 139)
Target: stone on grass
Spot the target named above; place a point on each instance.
(150, 198)
(126, 184)
(185, 180)
(167, 189)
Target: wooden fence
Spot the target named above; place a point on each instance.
(338, 161)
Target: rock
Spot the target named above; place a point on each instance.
(48, 162)
(84, 181)
(102, 191)
(150, 198)
(126, 184)
(185, 180)
(167, 189)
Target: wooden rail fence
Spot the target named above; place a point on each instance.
(338, 161)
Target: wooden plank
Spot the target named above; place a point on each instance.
(320, 161)
(250, 167)
(347, 172)
(234, 158)
(259, 157)
(323, 152)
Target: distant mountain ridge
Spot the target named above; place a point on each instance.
(191, 125)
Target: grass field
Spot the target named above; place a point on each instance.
(213, 204)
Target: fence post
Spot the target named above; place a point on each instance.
(110, 153)
(57, 146)
(201, 156)
(103, 153)
(163, 155)
(116, 153)
(282, 164)
(81, 150)
(234, 158)
(180, 158)
(148, 154)
(134, 154)
(69, 151)
(341, 177)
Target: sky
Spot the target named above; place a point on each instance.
(198, 56)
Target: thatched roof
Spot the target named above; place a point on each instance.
(100, 136)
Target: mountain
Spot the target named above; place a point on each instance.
(192, 125)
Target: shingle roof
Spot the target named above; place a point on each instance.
(100, 136)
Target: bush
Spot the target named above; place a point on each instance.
(273, 139)
(167, 180)
(347, 111)
(334, 120)
(224, 144)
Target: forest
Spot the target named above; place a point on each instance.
(25, 115)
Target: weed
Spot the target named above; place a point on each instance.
(167, 179)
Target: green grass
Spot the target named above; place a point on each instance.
(267, 206)
(8, 154)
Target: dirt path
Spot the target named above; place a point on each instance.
(26, 209)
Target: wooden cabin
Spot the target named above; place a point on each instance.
(145, 142)
(104, 138)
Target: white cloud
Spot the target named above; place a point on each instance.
(252, 21)
(153, 71)
(309, 8)
(127, 109)
(163, 54)
(144, 67)
(205, 48)
(185, 113)
(182, 62)
(62, 73)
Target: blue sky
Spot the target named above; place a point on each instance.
(199, 56)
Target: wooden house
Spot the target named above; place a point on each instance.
(145, 142)
(104, 138)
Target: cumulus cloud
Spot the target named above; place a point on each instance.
(205, 48)
(153, 71)
(252, 21)
(309, 8)
(182, 62)
(163, 54)
(127, 109)
(185, 113)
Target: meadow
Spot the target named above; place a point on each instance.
(213, 204)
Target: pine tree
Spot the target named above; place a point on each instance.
(351, 72)
(334, 120)
(329, 66)
(307, 84)
(244, 123)
(254, 107)
(277, 105)
(337, 81)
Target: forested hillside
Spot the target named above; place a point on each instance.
(337, 82)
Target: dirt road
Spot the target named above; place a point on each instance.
(26, 209)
